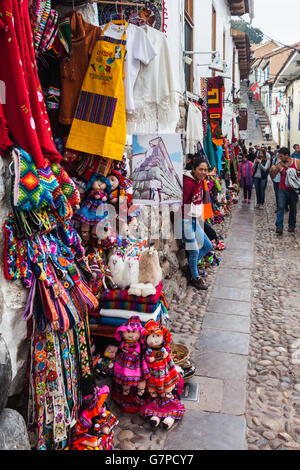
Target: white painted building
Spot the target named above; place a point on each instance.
(204, 27)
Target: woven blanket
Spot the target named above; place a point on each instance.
(123, 305)
(126, 314)
(122, 295)
(112, 321)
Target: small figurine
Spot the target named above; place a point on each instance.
(97, 193)
(105, 364)
(130, 370)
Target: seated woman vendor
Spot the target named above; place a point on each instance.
(196, 241)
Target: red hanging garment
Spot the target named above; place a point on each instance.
(24, 108)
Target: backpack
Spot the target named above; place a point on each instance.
(292, 180)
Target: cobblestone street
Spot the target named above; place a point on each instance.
(245, 336)
(273, 395)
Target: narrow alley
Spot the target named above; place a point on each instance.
(149, 190)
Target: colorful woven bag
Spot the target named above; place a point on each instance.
(28, 192)
(68, 187)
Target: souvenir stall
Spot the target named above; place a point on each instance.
(204, 138)
(96, 303)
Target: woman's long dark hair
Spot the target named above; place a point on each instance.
(264, 153)
(194, 161)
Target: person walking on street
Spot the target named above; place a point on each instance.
(270, 151)
(251, 155)
(285, 195)
(246, 178)
(197, 243)
(276, 179)
(256, 119)
(267, 132)
(296, 153)
(261, 168)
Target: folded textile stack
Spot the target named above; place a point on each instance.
(117, 306)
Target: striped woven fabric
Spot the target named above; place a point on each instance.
(97, 109)
(123, 305)
(163, 408)
(163, 374)
(112, 40)
(123, 295)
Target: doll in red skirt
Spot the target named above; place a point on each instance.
(164, 380)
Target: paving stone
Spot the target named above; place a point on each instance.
(223, 341)
(234, 397)
(233, 278)
(232, 307)
(210, 395)
(208, 431)
(227, 322)
(220, 365)
(232, 293)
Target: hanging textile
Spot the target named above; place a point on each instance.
(207, 212)
(154, 14)
(209, 148)
(44, 21)
(215, 86)
(156, 101)
(203, 96)
(24, 108)
(194, 129)
(73, 68)
(99, 126)
(5, 141)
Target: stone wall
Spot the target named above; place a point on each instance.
(12, 299)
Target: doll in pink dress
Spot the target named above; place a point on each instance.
(130, 369)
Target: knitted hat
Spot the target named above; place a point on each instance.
(134, 323)
(152, 327)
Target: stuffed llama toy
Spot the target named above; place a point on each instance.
(116, 266)
(130, 272)
(150, 274)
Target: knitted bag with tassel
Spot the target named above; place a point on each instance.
(68, 187)
(28, 192)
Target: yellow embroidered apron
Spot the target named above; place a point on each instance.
(99, 124)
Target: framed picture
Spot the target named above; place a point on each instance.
(157, 169)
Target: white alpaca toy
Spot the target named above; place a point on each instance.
(116, 266)
(130, 272)
(150, 274)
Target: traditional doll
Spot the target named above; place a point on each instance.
(93, 430)
(163, 375)
(105, 364)
(129, 370)
(164, 383)
(97, 193)
(117, 192)
(103, 427)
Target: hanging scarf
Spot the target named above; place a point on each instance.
(209, 148)
(207, 207)
(25, 111)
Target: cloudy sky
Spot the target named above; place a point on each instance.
(279, 19)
